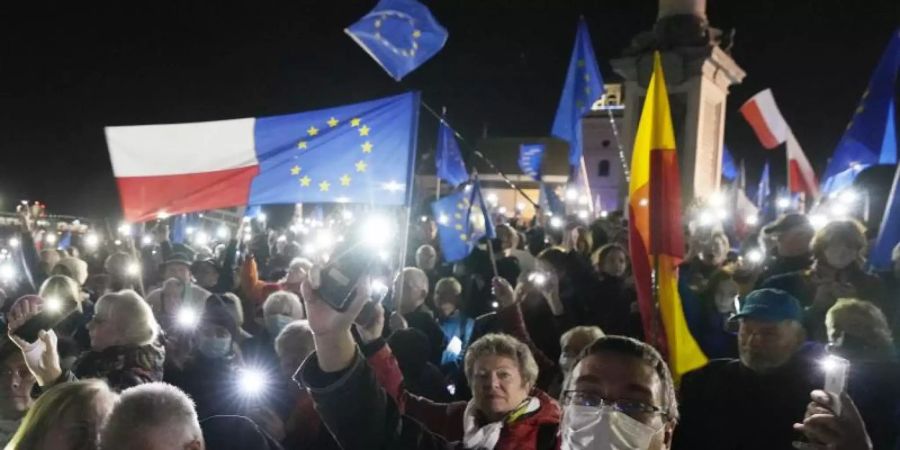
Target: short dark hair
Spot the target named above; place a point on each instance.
(632, 347)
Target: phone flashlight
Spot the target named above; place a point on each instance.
(837, 370)
(538, 278)
(187, 317)
(252, 382)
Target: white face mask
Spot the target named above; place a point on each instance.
(603, 428)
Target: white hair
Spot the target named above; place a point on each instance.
(283, 302)
(415, 278)
(151, 411)
(297, 332)
(131, 314)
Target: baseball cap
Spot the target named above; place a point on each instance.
(770, 305)
(786, 222)
(178, 258)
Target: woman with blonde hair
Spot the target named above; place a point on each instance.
(66, 417)
(72, 331)
(125, 350)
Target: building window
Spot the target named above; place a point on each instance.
(603, 168)
(605, 143)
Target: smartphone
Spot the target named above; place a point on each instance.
(837, 370)
(46, 319)
(343, 272)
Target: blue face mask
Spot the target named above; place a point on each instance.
(276, 322)
(214, 347)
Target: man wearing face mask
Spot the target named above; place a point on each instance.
(837, 272)
(766, 390)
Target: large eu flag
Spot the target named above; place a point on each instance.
(448, 158)
(583, 86)
(400, 35)
(889, 234)
(359, 153)
(463, 219)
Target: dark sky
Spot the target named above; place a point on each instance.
(65, 72)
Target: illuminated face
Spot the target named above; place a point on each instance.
(16, 382)
(426, 258)
(615, 263)
(765, 346)
(726, 291)
(180, 271)
(497, 387)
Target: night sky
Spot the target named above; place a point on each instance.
(66, 72)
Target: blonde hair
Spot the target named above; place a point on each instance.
(502, 345)
(61, 286)
(280, 301)
(131, 314)
(877, 331)
(448, 284)
(593, 333)
(53, 408)
(849, 230)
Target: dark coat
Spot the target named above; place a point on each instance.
(211, 383)
(423, 320)
(726, 406)
(121, 366)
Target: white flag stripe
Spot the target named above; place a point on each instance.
(775, 122)
(184, 148)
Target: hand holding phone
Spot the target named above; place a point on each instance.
(837, 370)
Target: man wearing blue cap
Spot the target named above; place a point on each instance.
(752, 402)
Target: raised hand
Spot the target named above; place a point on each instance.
(41, 356)
(503, 292)
(335, 348)
(826, 430)
(371, 327)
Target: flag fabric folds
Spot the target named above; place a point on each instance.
(729, 168)
(550, 202)
(763, 189)
(656, 239)
(766, 120)
(801, 177)
(583, 86)
(448, 158)
(359, 153)
(531, 157)
(870, 137)
(400, 35)
(463, 219)
(889, 233)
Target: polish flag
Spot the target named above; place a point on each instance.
(766, 120)
(801, 177)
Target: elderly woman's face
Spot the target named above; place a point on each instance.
(103, 330)
(840, 253)
(497, 387)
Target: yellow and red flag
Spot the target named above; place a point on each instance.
(656, 238)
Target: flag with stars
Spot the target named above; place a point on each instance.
(360, 153)
(400, 35)
(450, 165)
(463, 219)
(583, 86)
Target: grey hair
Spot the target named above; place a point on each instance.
(279, 301)
(159, 410)
(502, 345)
(296, 332)
(627, 346)
(133, 316)
(415, 278)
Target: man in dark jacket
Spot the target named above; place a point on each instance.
(765, 391)
(792, 234)
(410, 290)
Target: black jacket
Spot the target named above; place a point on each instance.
(423, 320)
(726, 406)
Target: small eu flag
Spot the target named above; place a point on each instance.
(583, 86)
(450, 165)
(550, 202)
(530, 158)
(400, 35)
(463, 219)
(729, 168)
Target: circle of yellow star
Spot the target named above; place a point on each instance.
(458, 226)
(295, 170)
(332, 122)
(361, 166)
(367, 147)
(416, 33)
(458, 216)
(345, 180)
(354, 122)
(312, 131)
(323, 186)
(301, 145)
(462, 236)
(305, 181)
(364, 130)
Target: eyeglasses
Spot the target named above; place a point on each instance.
(639, 411)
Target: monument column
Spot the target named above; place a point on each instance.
(698, 75)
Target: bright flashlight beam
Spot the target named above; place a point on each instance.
(7, 273)
(556, 222)
(755, 256)
(252, 382)
(53, 304)
(14, 242)
(50, 238)
(818, 221)
(783, 203)
(187, 317)
(538, 278)
(147, 239)
(92, 240)
(133, 269)
(379, 231)
(222, 232)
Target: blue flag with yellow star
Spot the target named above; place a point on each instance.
(361, 153)
(463, 219)
(871, 136)
(400, 35)
(583, 86)
(531, 156)
(450, 165)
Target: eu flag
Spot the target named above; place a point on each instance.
(583, 86)
(889, 234)
(450, 165)
(764, 189)
(463, 219)
(550, 202)
(361, 153)
(870, 138)
(400, 35)
(729, 168)
(531, 156)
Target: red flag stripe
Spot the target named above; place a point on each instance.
(757, 121)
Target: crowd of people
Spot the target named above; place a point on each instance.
(533, 341)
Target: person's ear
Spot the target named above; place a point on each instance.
(669, 433)
(196, 444)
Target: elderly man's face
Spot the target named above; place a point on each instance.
(16, 383)
(793, 241)
(179, 271)
(766, 346)
(615, 377)
(406, 297)
(426, 258)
